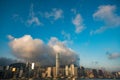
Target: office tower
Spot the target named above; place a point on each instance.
(21, 72)
(72, 69)
(54, 72)
(33, 65)
(57, 64)
(49, 72)
(7, 67)
(66, 70)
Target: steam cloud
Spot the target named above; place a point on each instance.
(36, 50)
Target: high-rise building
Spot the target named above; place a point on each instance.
(66, 70)
(49, 72)
(72, 69)
(57, 64)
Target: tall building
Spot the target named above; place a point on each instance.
(49, 70)
(72, 69)
(66, 71)
(57, 64)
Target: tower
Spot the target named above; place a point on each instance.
(57, 64)
(66, 70)
(72, 69)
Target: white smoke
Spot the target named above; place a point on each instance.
(31, 49)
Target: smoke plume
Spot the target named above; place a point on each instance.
(36, 50)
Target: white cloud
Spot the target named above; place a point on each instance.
(78, 22)
(101, 29)
(25, 45)
(67, 38)
(59, 46)
(31, 49)
(33, 19)
(114, 55)
(67, 54)
(106, 13)
(17, 17)
(10, 37)
(74, 11)
(54, 14)
(66, 35)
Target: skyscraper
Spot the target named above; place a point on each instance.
(57, 64)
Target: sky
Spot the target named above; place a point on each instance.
(89, 29)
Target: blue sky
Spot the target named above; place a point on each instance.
(89, 27)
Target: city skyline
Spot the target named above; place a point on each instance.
(76, 29)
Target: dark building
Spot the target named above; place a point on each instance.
(82, 72)
(100, 73)
(95, 73)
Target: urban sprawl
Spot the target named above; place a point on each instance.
(33, 71)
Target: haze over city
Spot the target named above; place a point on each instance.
(85, 32)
